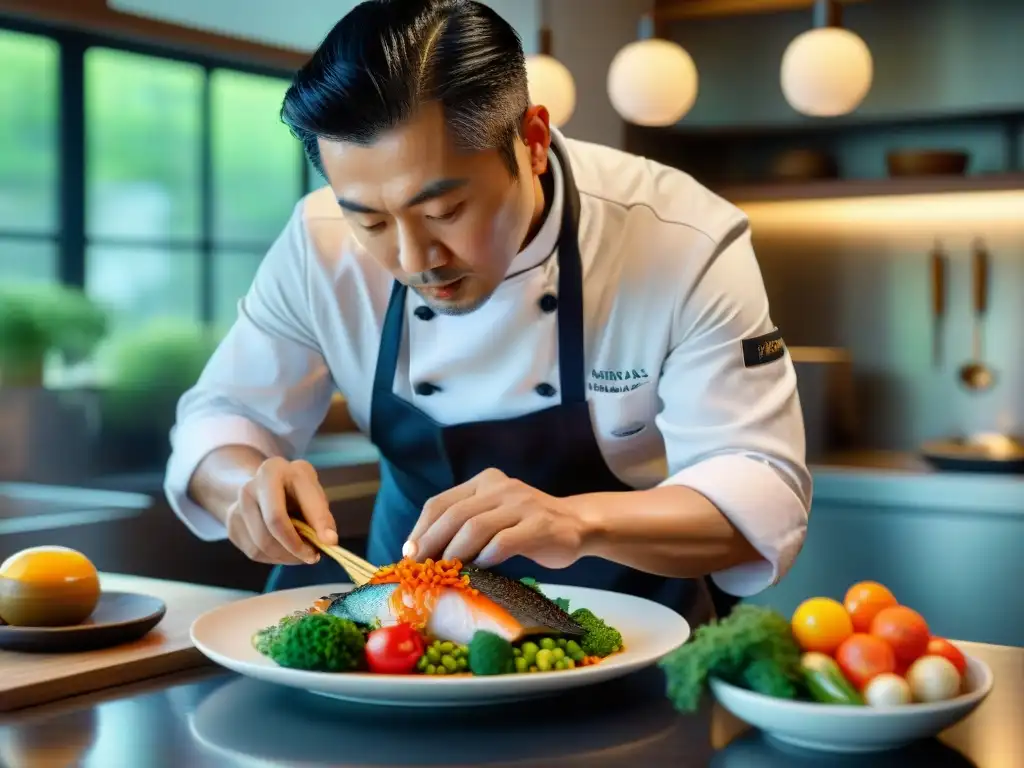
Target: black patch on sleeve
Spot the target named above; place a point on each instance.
(763, 349)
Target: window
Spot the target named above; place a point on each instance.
(257, 180)
(156, 180)
(143, 178)
(29, 226)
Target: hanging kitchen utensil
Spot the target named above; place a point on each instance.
(974, 374)
(938, 263)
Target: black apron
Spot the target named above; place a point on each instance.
(553, 450)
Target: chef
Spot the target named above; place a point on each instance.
(563, 353)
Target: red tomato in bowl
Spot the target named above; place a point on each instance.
(394, 650)
(904, 629)
(938, 646)
(862, 658)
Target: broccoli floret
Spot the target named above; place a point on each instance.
(599, 639)
(318, 642)
(490, 654)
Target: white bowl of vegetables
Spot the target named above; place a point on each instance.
(864, 675)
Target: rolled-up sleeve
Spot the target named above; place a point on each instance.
(734, 429)
(266, 386)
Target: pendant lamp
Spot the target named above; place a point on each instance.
(826, 71)
(653, 81)
(551, 83)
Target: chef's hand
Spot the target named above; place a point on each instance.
(492, 518)
(258, 523)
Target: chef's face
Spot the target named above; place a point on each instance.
(445, 221)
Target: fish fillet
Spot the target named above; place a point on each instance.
(501, 606)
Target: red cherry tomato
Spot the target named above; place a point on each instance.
(394, 650)
(862, 658)
(938, 646)
(904, 629)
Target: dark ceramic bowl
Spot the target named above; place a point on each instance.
(927, 162)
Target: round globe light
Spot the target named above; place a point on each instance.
(826, 72)
(652, 82)
(551, 85)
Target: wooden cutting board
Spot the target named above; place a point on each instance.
(28, 679)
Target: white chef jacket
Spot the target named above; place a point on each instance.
(671, 290)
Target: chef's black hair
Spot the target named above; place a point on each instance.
(386, 57)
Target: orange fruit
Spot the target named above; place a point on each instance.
(821, 624)
(904, 629)
(864, 600)
(862, 658)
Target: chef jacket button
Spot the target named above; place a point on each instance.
(425, 388)
(545, 390)
(424, 313)
(548, 302)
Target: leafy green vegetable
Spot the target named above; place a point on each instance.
(316, 641)
(752, 647)
(562, 602)
(490, 654)
(599, 639)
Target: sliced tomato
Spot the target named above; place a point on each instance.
(394, 650)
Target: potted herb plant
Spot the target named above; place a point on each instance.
(145, 371)
(37, 320)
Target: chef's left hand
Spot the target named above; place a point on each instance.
(492, 518)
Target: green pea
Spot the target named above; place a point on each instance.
(534, 669)
(572, 648)
(422, 663)
(462, 662)
(558, 654)
(530, 649)
(570, 664)
(434, 655)
(560, 664)
(521, 665)
(547, 643)
(544, 660)
(450, 663)
(562, 642)
(517, 652)
(441, 670)
(447, 647)
(431, 669)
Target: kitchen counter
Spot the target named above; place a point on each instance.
(27, 507)
(893, 479)
(214, 718)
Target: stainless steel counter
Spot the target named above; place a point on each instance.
(217, 719)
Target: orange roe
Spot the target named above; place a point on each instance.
(423, 582)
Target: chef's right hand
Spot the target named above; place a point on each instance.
(258, 523)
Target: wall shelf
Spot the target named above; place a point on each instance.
(825, 189)
(738, 159)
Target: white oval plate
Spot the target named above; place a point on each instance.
(649, 630)
(843, 728)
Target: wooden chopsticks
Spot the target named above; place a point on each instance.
(359, 570)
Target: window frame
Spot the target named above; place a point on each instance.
(72, 193)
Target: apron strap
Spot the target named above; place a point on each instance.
(571, 342)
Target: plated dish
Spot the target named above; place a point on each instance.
(523, 641)
(439, 618)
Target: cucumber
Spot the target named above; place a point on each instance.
(826, 682)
